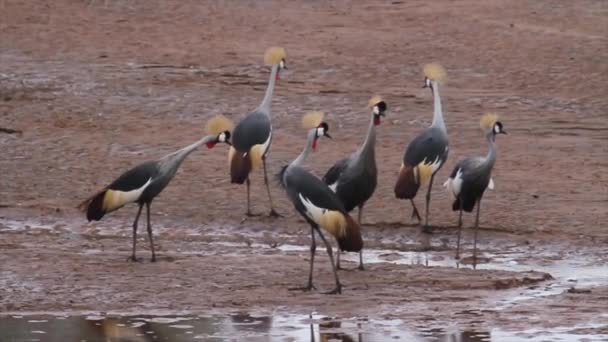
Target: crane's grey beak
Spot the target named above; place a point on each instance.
(228, 142)
(327, 135)
(503, 132)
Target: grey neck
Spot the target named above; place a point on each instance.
(302, 157)
(172, 161)
(267, 101)
(437, 111)
(491, 156)
(370, 139)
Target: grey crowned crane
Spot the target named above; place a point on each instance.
(427, 153)
(470, 178)
(354, 178)
(252, 136)
(318, 204)
(145, 181)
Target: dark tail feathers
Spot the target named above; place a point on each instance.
(467, 204)
(351, 241)
(93, 206)
(240, 166)
(407, 185)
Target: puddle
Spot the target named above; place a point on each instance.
(243, 326)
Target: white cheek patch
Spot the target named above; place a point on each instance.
(496, 129)
(376, 110)
(320, 131)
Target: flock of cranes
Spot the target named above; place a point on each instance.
(324, 203)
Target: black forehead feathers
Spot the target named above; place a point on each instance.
(381, 106)
(227, 134)
(499, 124)
(324, 125)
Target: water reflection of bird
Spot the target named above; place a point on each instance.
(116, 331)
(470, 178)
(246, 322)
(317, 203)
(354, 178)
(252, 135)
(145, 181)
(427, 153)
(332, 336)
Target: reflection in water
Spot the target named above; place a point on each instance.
(332, 336)
(243, 326)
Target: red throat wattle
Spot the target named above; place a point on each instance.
(211, 144)
(278, 77)
(314, 144)
(376, 120)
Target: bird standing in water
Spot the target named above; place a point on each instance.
(252, 136)
(145, 181)
(427, 153)
(317, 203)
(470, 178)
(354, 178)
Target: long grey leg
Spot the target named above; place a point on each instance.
(273, 212)
(132, 257)
(415, 212)
(361, 251)
(459, 229)
(150, 232)
(428, 202)
(313, 248)
(475, 235)
(338, 259)
(338, 289)
(248, 200)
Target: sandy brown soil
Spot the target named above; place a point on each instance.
(96, 89)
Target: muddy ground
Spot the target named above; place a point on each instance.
(98, 86)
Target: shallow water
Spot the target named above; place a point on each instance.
(95, 327)
(568, 268)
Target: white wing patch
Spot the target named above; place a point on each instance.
(312, 211)
(334, 186)
(491, 184)
(435, 165)
(115, 199)
(454, 184)
(266, 144)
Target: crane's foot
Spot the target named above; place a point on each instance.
(249, 215)
(427, 229)
(153, 259)
(337, 290)
(273, 213)
(133, 258)
(306, 288)
(361, 268)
